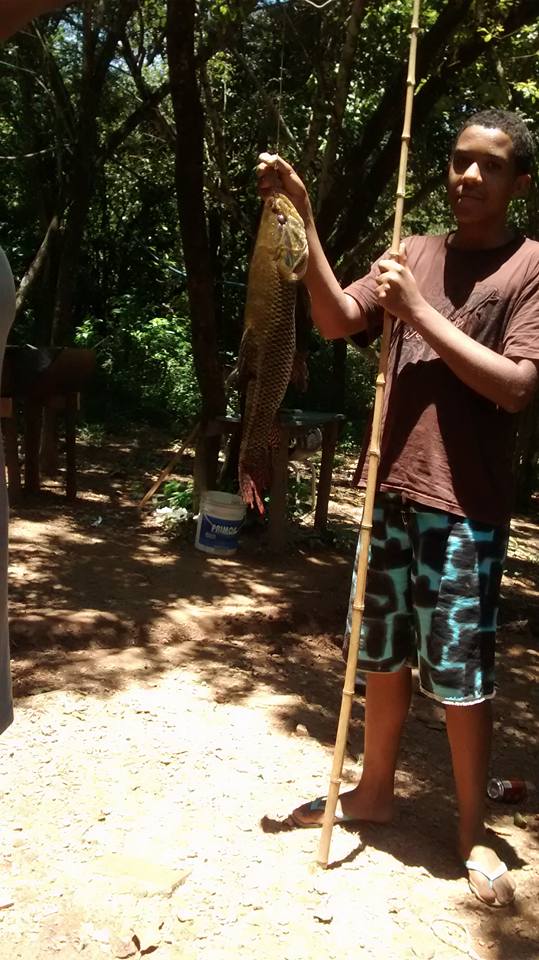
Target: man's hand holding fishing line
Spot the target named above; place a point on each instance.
(275, 174)
(334, 313)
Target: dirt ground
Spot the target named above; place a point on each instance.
(172, 708)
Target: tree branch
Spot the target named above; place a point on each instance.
(223, 190)
(373, 173)
(269, 101)
(342, 88)
(141, 113)
(36, 268)
(135, 68)
(376, 129)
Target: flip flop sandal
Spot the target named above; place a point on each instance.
(491, 877)
(318, 806)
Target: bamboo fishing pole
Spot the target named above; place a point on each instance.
(358, 604)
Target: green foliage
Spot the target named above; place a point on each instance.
(174, 511)
(176, 493)
(144, 362)
(322, 393)
(528, 89)
(299, 497)
(92, 434)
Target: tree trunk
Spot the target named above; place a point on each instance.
(339, 375)
(97, 56)
(189, 176)
(72, 236)
(36, 269)
(342, 86)
(80, 182)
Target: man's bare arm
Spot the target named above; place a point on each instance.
(15, 14)
(510, 382)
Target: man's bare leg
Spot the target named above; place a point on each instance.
(469, 729)
(387, 702)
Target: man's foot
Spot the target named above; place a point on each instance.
(352, 807)
(488, 877)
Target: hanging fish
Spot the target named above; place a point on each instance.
(267, 348)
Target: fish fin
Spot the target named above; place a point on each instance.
(246, 357)
(249, 493)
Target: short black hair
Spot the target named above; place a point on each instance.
(513, 125)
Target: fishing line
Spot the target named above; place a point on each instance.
(284, 4)
(280, 94)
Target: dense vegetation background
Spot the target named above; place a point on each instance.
(130, 132)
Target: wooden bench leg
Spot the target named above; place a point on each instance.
(329, 442)
(33, 413)
(71, 409)
(206, 465)
(11, 447)
(278, 493)
(48, 449)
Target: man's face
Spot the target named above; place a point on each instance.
(482, 176)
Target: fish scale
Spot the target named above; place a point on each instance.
(268, 344)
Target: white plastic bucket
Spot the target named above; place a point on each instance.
(219, 520)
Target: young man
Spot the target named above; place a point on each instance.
(464, 360)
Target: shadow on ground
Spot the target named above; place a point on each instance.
(99, 598)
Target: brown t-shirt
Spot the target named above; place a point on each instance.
(443, 444)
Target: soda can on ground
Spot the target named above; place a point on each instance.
(508, 791)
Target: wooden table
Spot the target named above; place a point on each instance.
(35, 380)
(292, 423)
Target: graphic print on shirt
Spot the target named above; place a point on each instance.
(483, 317)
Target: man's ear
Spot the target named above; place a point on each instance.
(521, 185)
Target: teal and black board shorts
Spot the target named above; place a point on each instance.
(431, 599)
